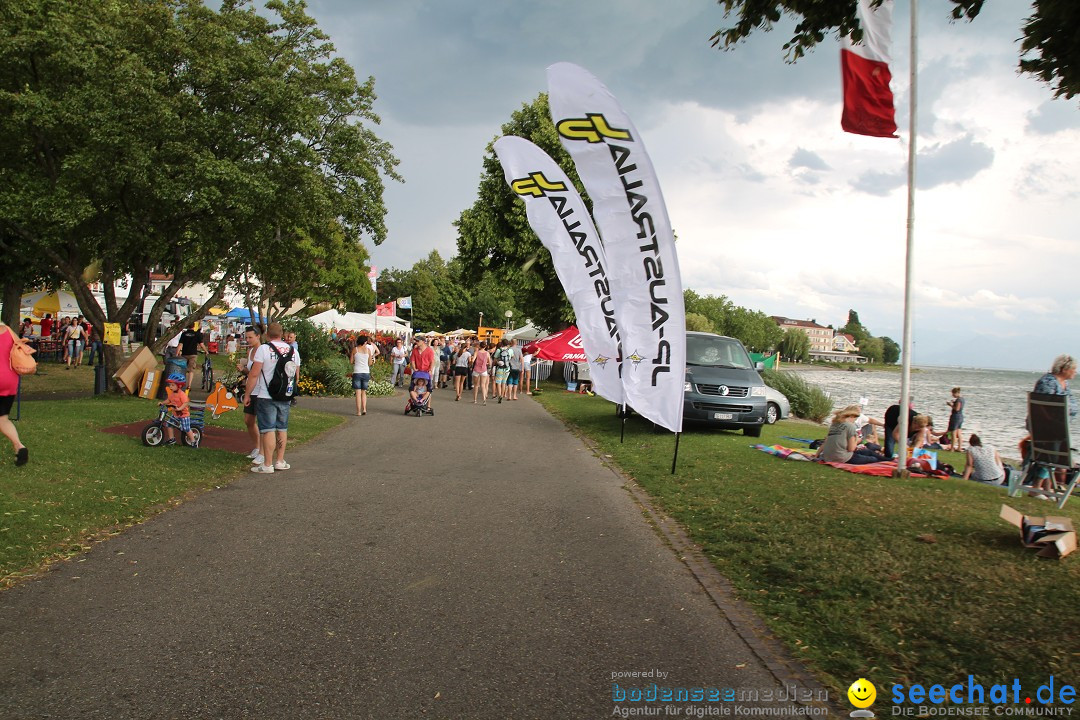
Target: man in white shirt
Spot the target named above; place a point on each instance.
(272, 415)
(397, 358)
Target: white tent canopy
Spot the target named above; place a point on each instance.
(360, 322)
(525, 332)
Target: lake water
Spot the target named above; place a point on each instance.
(994, 400)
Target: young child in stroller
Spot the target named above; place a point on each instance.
(419, 398)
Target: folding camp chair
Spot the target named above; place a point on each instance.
(1048, 417)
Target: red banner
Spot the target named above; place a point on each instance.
(387, 309)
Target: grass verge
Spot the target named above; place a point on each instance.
(898, 581)
(82, 484)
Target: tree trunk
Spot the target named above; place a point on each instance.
(13, 289)
(114, 358)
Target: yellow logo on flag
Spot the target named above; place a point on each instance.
(536, 185)
(594, 128)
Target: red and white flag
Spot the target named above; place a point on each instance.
(868, 100)
(388, 309)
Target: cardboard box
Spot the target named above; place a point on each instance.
(1053, 535)
(150, 384)
(130, 373)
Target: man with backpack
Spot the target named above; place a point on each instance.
(272, 380)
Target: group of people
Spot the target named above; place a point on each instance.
(77, 338)
(266, 418)
(852, 437)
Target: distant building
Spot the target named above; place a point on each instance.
(821, 337)
(842, 342)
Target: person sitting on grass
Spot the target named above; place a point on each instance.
(842, 442)
(180, 405)
(418, 391)
(983, 463)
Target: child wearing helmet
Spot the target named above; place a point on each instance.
(179, 403)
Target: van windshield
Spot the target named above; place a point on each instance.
(716, 352)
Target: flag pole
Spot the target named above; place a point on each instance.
(676, 455)
(905, 374)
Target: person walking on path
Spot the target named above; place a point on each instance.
(191, 342)
(526, 369)
(462, 359)
(363, 356)
(956, 421)
(74, 338)
(9, 388)
(514, 378)
(272, 415)
(480, 373)
(422, 361)
(397, 364)
(253, 340)
(502, 369)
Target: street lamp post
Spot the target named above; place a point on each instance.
(509, 314)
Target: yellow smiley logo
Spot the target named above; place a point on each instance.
(862, 693)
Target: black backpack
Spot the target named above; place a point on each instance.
(282, 384)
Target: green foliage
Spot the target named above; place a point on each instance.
(213, 145)
(314, 342)
(494, 237)
(807, 401)
(794, 346)
(890, 351)
(696, 322)
(1048, 51)
(334, 372)
(756, 330)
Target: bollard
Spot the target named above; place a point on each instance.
(100, 384)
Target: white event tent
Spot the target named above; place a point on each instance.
(360, 322)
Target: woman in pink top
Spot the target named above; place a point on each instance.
(480, 373)
(9, 387)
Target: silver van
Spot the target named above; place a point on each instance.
(723, 387)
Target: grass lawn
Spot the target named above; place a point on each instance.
(81, 483)
(894, 580)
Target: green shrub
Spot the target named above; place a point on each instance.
(807, 401)
(314, 343)
(380, 372)
(334, 372)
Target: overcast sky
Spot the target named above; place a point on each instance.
(774, 206)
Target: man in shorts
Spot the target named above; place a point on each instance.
(191, 341)
(272, 415)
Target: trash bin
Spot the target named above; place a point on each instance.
(100, 384)
(173, 365)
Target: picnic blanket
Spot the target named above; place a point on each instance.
(886, 468)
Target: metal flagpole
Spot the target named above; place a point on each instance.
(905, 375)
(676, 455)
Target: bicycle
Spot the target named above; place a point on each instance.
(207, 373)
(153, 435)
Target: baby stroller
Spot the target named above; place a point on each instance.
(422, 404)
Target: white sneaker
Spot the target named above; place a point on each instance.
(262, 469)
(255, 453)
(258, 460)
(282, 465)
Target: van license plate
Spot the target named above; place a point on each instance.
(723, 416)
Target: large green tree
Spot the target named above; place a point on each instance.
(164, 135)
(494, 234)
(1049, 49)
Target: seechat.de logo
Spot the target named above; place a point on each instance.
(536, 185)
(592, 128)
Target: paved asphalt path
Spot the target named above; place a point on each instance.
(480, 563)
